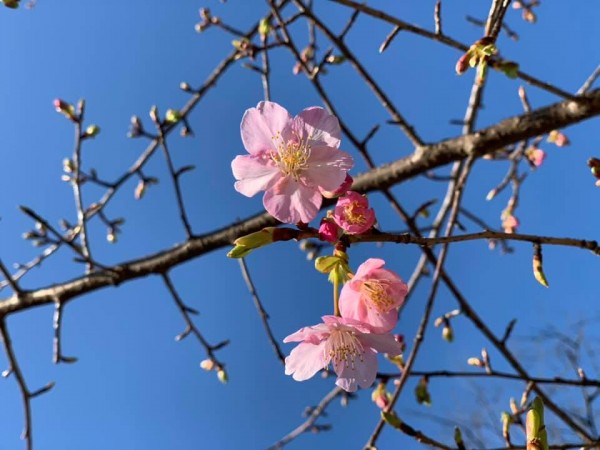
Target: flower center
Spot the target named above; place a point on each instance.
(353, 214)
(343, 347)
(291, 157)
(376, 292)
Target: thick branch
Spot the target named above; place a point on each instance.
(428, 157)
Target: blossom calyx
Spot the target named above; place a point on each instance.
(245, 244)
(336, 266)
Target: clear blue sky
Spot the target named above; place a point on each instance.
(134, 387)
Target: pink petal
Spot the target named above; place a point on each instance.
(327, 167)
(254, 173)
(383, 343)
(362, 373)
(366, 267)
(314, 334)
(321, 127)
(352, 306)
(261, 124)
(304, 361)
(291, 202)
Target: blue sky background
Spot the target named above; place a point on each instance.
(134, 386)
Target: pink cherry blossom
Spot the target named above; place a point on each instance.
(349, 346)
(352, 213)
(290, 158)
(373, 296)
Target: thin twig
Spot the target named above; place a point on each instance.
(307, 425)
(76, 182)
(15, 369)
(264, 316)
(191, 327)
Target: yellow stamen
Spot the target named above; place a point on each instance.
(353, 214)
(343, 347)
(291, 156)
(376, 291)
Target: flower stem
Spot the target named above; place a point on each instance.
(336, 297)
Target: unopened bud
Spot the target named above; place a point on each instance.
(172, 116)
(135, 129)
(207, 364)
(92, 131)
(245, 244)
(111, 236)
(447, 333)
(65, 108)
(476, 362)
(68, 165)
(222, 376)
(264, 27)
(154, 114)
(336, 59)
(558, 138)
(185, 86)
(140, 190)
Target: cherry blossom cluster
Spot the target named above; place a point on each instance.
(296, 162)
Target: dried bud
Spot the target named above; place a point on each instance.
(538, 269)
(136, 128)
(422, 392)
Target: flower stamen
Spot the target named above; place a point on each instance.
(376, 292)
(292, 156)
(343, 347)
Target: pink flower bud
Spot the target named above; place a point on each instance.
(535, 155)
(329, 231)
(510, 224)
